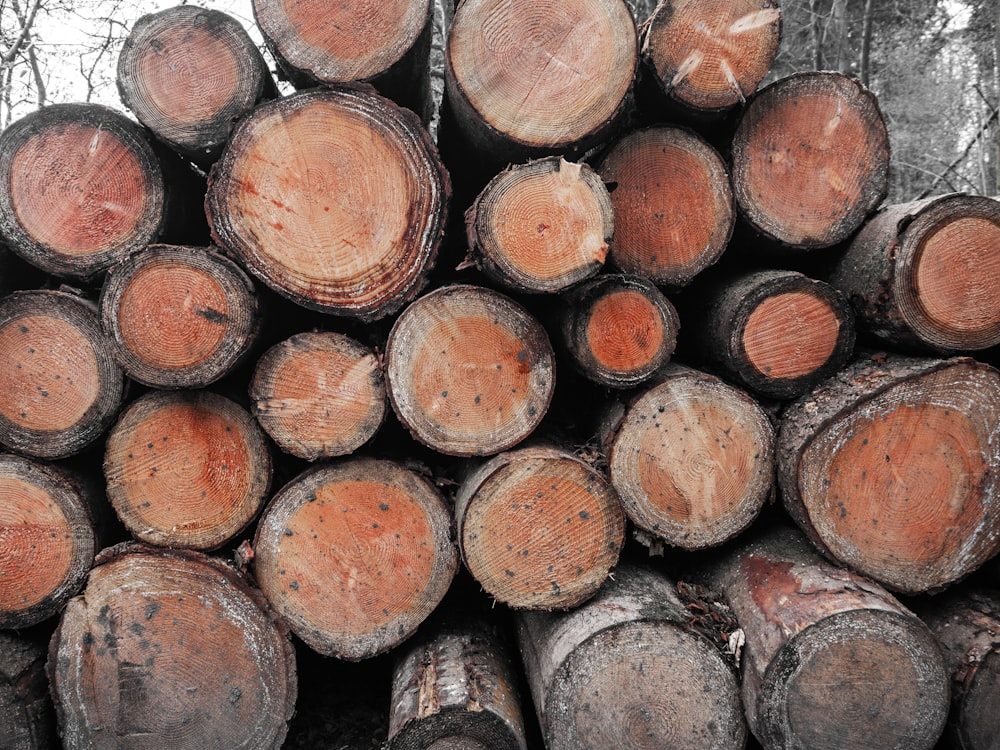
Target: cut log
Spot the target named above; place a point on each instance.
(778, 333)
(186, 469)
(529, 78)
(187, 73)
(710, 56)
(674, 210)
(60, 387)
(319, 394)
(335, 198)
(27, 721)
(619, 329)
(830, 660)
(541, 226)
(170, 648)
(455, 687)
(923, 275)
(178, 316)
(624, 670)
(966, 622)
(810, 159)
(80, 187)
(355, 555)
(539, 528)
(691, 458)
(891, 468)
(470, 372)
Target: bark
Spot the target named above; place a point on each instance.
(26, 718)
(335, 198)
(624, 670)
(922, 275)
(355, 555)
(170, 648)
(810, 160)
(186, 469)
(470, 372)
(187, 73)
(674, 210)
(891, 468)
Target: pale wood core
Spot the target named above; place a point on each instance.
(625, 331)
(790, 335)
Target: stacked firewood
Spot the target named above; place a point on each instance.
(532, 356)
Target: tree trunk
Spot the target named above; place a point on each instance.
(674, 211)
(923, 275)
(61, 386)
(187, 73)
(186, 469)
(619, 329)
(170, 648)
(80, 188)
(355, 555)
(538, 528)
(891, 468)
(691, 457)
(831, 660)
(470, 372)
(178, 316)
(335, 198)
(542, 226)
(26, 718)
(810, 160)
(778, 333)
(624, 670)
(319, 394)
(709, 57)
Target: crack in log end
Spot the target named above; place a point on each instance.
(211, 315)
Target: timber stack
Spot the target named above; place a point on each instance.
(522, 375)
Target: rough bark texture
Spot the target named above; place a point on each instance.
(170, 648)
(187, 73)
(624, 670)
(923, 275)
(830, 660)
(355, 555)
(336, 198)
(26, 718)
(891, 468)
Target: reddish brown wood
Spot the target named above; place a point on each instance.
(170, 648)
(26, 718)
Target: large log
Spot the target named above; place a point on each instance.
(625, 670)
(170, 648)
(891, 468)
(27, 721)
(336, 198)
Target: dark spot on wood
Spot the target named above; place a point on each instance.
(151, 609)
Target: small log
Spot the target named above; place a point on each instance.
(80, 187)
(27, 721)
(674, 210)
(778, 333)
(470, 372)
(619, 329)
(831, 659)
(691, 458)
(966, 622)
(60, 387)
(335, 198)
(810, 159)
(186, 73)
(539, 528)
(178, 316)
(170, 648)
(530, 78)
(541, 226)
(319, 394)
(923, 275)
(710, 56)
(355, 555)
(186, 469)
(624, 670)
(891, 468)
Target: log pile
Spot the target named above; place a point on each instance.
(530, 362)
